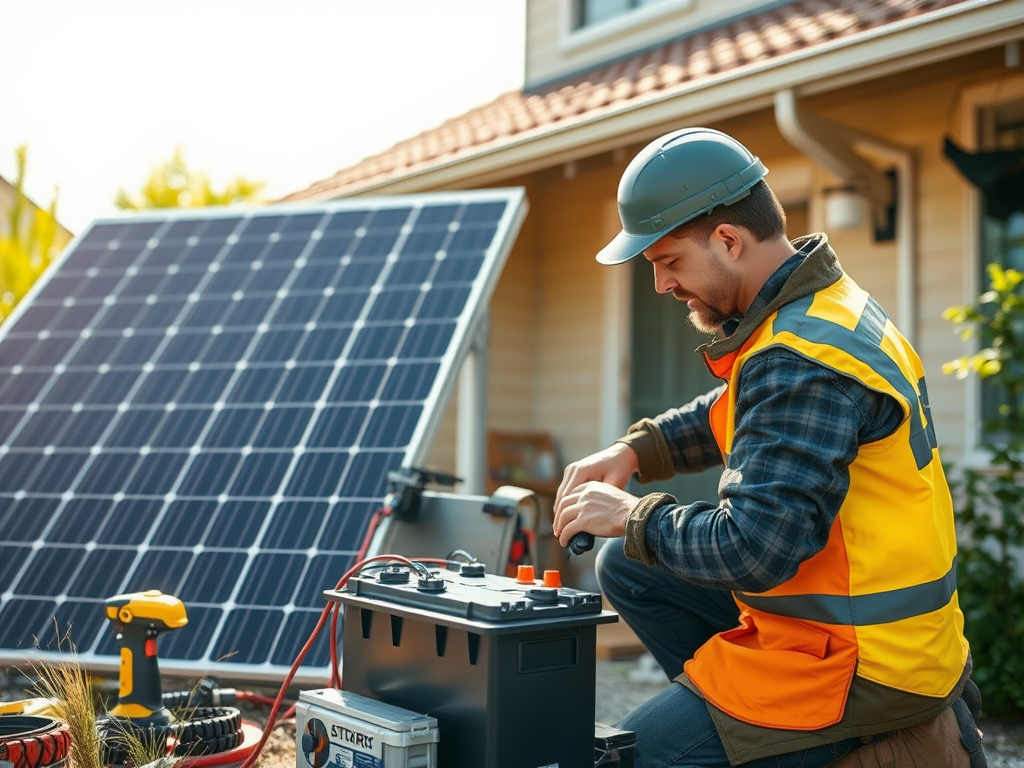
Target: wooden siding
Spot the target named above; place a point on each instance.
(572, 290)
(543, 32)
(551, 53)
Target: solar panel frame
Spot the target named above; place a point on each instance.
(162, 429)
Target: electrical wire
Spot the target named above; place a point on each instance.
(258, 698)
(329, 609)
(371, 529)
(375, 519)
(288, 715)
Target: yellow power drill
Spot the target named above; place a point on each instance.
(138, 618)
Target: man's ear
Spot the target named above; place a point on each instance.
(731, 239)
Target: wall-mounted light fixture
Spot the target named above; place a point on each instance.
(845, 208)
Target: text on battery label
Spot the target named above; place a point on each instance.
(356, 739)
(346, 758)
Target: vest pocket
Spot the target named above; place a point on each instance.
(777, 672)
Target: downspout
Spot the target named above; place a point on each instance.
(832, 145)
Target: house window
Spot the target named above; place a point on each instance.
(1000, 128)
(587, 13)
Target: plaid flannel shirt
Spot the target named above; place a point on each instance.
(799, 426)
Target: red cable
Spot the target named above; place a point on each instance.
(370, 530)
(259, 698)
(288, 714)
(272, 719)
(378, 515)
(335, 666)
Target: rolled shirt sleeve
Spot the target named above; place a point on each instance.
(692, 446)
(799, 426)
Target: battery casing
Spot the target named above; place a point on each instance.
(508, 669)
(346, 730)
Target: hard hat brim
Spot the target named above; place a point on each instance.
(624, 247)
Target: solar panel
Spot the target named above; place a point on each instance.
(207, 402)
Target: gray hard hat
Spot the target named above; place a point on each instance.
(675, 179)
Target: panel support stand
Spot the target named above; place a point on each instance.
(471, 435)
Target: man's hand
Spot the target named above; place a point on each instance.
(614, 465)
(593, 488)
(597, 508)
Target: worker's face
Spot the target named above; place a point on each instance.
(698, 273)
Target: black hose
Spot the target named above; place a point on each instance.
(205, 731)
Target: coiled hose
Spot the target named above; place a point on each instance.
(33, 741)
(199, 728)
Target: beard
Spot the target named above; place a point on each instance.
(706, 319)
(708, 312)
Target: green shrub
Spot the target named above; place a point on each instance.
(990, 501)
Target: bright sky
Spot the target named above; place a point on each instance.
(283, 91)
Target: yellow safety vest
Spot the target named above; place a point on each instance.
(879, 600)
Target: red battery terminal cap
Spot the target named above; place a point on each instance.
(524, 574)
(552, 579)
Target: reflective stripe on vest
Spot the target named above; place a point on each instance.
(859, 610)
(871, 326)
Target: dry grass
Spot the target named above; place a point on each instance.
(69, 688)
(138, 746)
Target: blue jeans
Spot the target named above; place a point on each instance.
(674, 618)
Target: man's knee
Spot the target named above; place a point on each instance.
(609, 562)
(618, 578)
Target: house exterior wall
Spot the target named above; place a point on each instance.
(570, 346)
(554, 50)
(547, 314)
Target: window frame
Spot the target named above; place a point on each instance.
(576, 38)
(974, 100)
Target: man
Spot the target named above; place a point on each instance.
(810, 613)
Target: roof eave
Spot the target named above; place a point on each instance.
(945, 34)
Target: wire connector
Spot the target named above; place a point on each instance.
(406, 486)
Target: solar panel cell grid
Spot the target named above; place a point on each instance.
(208, 403)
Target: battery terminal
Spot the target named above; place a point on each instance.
(431, 584)
(525, 574)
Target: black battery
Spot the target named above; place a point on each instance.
(507, 668)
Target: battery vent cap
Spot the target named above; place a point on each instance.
(473, 569)
(524, 574)
(394, 574)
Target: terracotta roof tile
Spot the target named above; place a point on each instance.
(800, 25)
